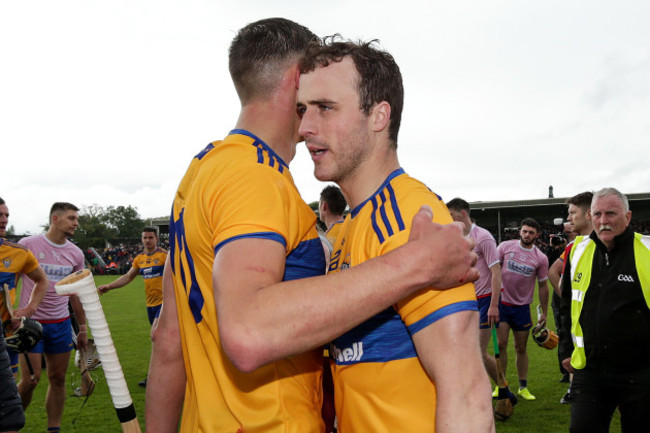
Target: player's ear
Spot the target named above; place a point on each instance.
(380, 116)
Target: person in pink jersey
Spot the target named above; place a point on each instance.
(522, 263)
(488, 285)
(59, 258)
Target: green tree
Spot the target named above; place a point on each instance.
(98, 225)
(93, 230)
(125, 221)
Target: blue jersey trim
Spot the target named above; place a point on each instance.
(382, 338)
(259, 235)
(373, 220)
(262, 146)
(393, 204)
(306, 260)
(443, 312)
(179, 240)
(205, 151)
(390, 177)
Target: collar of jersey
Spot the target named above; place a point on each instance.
(390, 177)
(260, 142)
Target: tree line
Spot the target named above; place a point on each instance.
(113, 224)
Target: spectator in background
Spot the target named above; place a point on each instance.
(522, 263)
(150, 265)
(58, 257)
(605, 308)
(331, 206)
(488, 286)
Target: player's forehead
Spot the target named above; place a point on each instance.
(4, 210)
(575, 209)
(528, 229)
(68, 214)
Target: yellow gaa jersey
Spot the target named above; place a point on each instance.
(379, 383)
(240, 188)
(15, 259)
(151, 266)
(333, 232)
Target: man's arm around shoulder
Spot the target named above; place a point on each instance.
(254, 304)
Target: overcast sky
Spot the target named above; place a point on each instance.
(107, 102)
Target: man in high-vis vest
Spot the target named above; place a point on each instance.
(605, 308)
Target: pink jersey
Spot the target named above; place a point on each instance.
(486, 249)
(58, 261)
(520, 267)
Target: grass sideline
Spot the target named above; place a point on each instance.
(126, 315)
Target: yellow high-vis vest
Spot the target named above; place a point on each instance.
(581, 256)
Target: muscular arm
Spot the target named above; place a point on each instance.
(120, 282)
(449, 351)
(493, 311)
(262, 319)
(166, 381)
(554, 273)
(38, 293)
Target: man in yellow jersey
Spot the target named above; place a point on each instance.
(239, 342)
(149, 264)
(14, 260)
(393, 372)
(331, 206)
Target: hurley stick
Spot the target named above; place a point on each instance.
(503, 409)
(82, 284)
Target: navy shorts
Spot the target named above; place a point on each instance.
(517, 316)
(57, 338)
(12, 416)
(13, 360)
(153, 312)
(483, 307)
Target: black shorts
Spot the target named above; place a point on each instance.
(12, 416)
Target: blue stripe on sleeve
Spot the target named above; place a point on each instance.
(396, 212)
(373, 218)
(443, 312)
(260, 235)
(384, 217)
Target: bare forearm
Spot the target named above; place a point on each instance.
(291, 317)
(37, 295)
(120, 282)
(167, 378)
(165, 390)
(496, 285)
(262, 319)
(543, 297)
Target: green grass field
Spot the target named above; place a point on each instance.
(126, 314)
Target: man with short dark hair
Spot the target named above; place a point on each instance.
(149, 264)
(605, 308)
(522, 263)
(58, 257)
(247, 314)
(488, 286)
(579, 220)
(331, 206)
(391, 371)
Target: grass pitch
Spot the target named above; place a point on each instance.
(125, 312)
